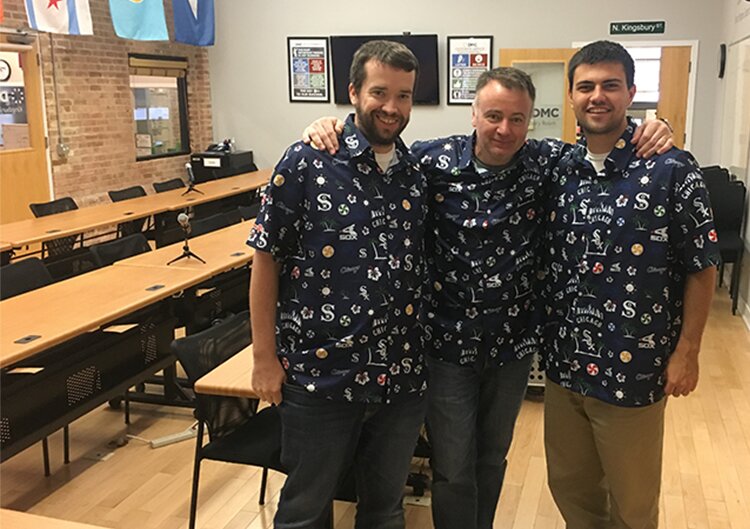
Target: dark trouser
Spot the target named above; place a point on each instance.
(321, 439)
(470, 419)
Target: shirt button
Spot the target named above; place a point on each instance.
(310, 387)
(321, 353)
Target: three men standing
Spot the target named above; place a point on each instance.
(340, 246)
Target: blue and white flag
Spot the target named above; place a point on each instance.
(139, 19)
(72, 17)
(194, 21)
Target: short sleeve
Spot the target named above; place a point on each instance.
(279, 222)
(693, 233)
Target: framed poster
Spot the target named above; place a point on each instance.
(468, 57)
(308, 69)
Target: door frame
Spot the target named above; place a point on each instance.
(692, 77)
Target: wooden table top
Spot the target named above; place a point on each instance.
(77, 221)
(69, 308)
(5, 246)
(24, 520)
(218, 189)
(230, 379)
(222, 250)
(84, 303)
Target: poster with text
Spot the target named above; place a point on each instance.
(308, 69)
(468, 57)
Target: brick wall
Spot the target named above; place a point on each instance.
(95, 106)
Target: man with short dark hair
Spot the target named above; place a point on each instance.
(334, 297)
(630, 275)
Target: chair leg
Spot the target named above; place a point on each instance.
(263, 483)
(45, 455)
(734, 286)
(721, 274)
(127, 406)
(196, 475)
(66, 444)
(329, 518)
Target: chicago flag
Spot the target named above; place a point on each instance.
(194, 21)
(72, 17)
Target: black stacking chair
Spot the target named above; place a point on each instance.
(715, 175)
(249, 212)
(65, 257)
(22, 276)
(17, 278)
(167, 230)
(133, 226)
(63, 245)
(215, 222)
(728, 202)
(237, 434)
(168, 185)
(42, 209)
(106, 253)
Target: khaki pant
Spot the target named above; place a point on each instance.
(603, 461)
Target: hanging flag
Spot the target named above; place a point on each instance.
(72, 17)
(139, 19)
(194, 21)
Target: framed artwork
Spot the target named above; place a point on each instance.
(308, 69)
(468, 57)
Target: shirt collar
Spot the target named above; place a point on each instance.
(619, 158)
(466, 157)
(354, 144)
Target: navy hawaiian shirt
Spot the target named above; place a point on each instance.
(350, 242)
(483, 232)
(620, 244)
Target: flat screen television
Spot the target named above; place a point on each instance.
(424, 48)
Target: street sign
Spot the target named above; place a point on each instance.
(632, 28)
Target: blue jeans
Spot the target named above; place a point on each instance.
(470, 418)
(322, 439)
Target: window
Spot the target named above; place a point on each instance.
(14, 125)
(160, 122)
(647, 71)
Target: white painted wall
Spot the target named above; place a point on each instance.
(248, 63)
(732, 106)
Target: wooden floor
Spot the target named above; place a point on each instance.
(706, 483)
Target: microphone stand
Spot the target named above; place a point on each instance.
(191, 180)
(186, 252)
(191, 187)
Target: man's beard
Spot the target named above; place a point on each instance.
(366, 124)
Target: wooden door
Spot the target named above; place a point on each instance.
(531, 61)
(24, 176)
(673, 89)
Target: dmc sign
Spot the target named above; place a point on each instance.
(547, 112)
